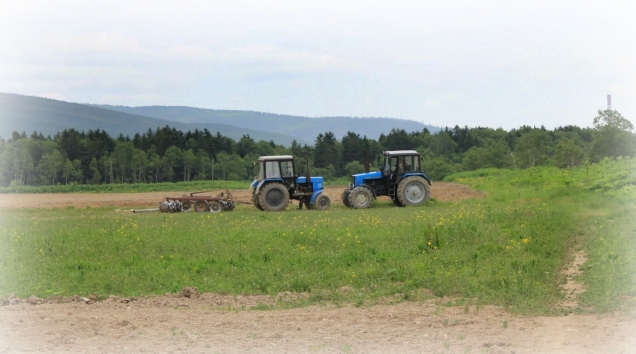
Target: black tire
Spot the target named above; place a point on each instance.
(201, 206)
(322, 202)
(397, 202)
(215, 206)
(360, 198)
(307, 203)
(256, 202)
(186, 205)
(345, 198)
(413, 191)
(273, 197)
(164, 207)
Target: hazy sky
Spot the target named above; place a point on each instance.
(476, 63)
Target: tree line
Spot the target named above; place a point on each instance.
(170, 155)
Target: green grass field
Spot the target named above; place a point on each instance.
(507, 249)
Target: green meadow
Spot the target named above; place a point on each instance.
(505, 249)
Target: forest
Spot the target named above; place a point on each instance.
(169, 155)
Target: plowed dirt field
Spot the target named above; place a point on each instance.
(444, 191)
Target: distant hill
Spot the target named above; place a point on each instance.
(303, 128)
(27, 114)
(47, 116)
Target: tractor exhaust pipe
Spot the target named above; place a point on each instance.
(366, 161)
(307, 174)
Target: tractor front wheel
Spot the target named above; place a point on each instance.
(322, 202)
(345, 198)
(273, 197)
(413, 191)
(360, 198)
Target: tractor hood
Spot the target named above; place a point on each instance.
(313, 180)
(357, 179)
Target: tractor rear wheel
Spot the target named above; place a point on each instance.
(215, 206)
(200, 205)
(322, 202)
(273, 197)
(360, 198)
(345, 198)
(413, 191)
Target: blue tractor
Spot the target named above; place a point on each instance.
(400, 177)
(277, 183)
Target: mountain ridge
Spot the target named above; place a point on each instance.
(49, 116)
(306, 128)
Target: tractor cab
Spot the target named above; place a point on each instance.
(277, 167)
(399, 164)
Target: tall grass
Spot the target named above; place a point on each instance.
(507, 255)
(602, 200)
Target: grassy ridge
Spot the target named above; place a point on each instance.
(504, 250)
(602, 200)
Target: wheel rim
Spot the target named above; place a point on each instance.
(274, 197)
(200, 205)
(361, 198)
(323, 202)
(414, 193)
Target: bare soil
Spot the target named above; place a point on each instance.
(443, 191)
(212, 323)
(207, 324)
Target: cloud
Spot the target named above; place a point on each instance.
(189, 52)
(103, 42)
(264, 60)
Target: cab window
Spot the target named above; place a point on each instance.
(411, 164)
(271, 169)
(394, 163)
(287, 168)
(261, 170)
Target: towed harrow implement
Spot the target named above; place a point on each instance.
(223, 201)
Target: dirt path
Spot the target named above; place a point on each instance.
(212, 323)
(205, 325)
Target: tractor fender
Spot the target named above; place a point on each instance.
(258, 185)
(253, 186)
(313, 197)
(418, 175)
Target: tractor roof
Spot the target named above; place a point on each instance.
(401, 152)
(275, 158)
